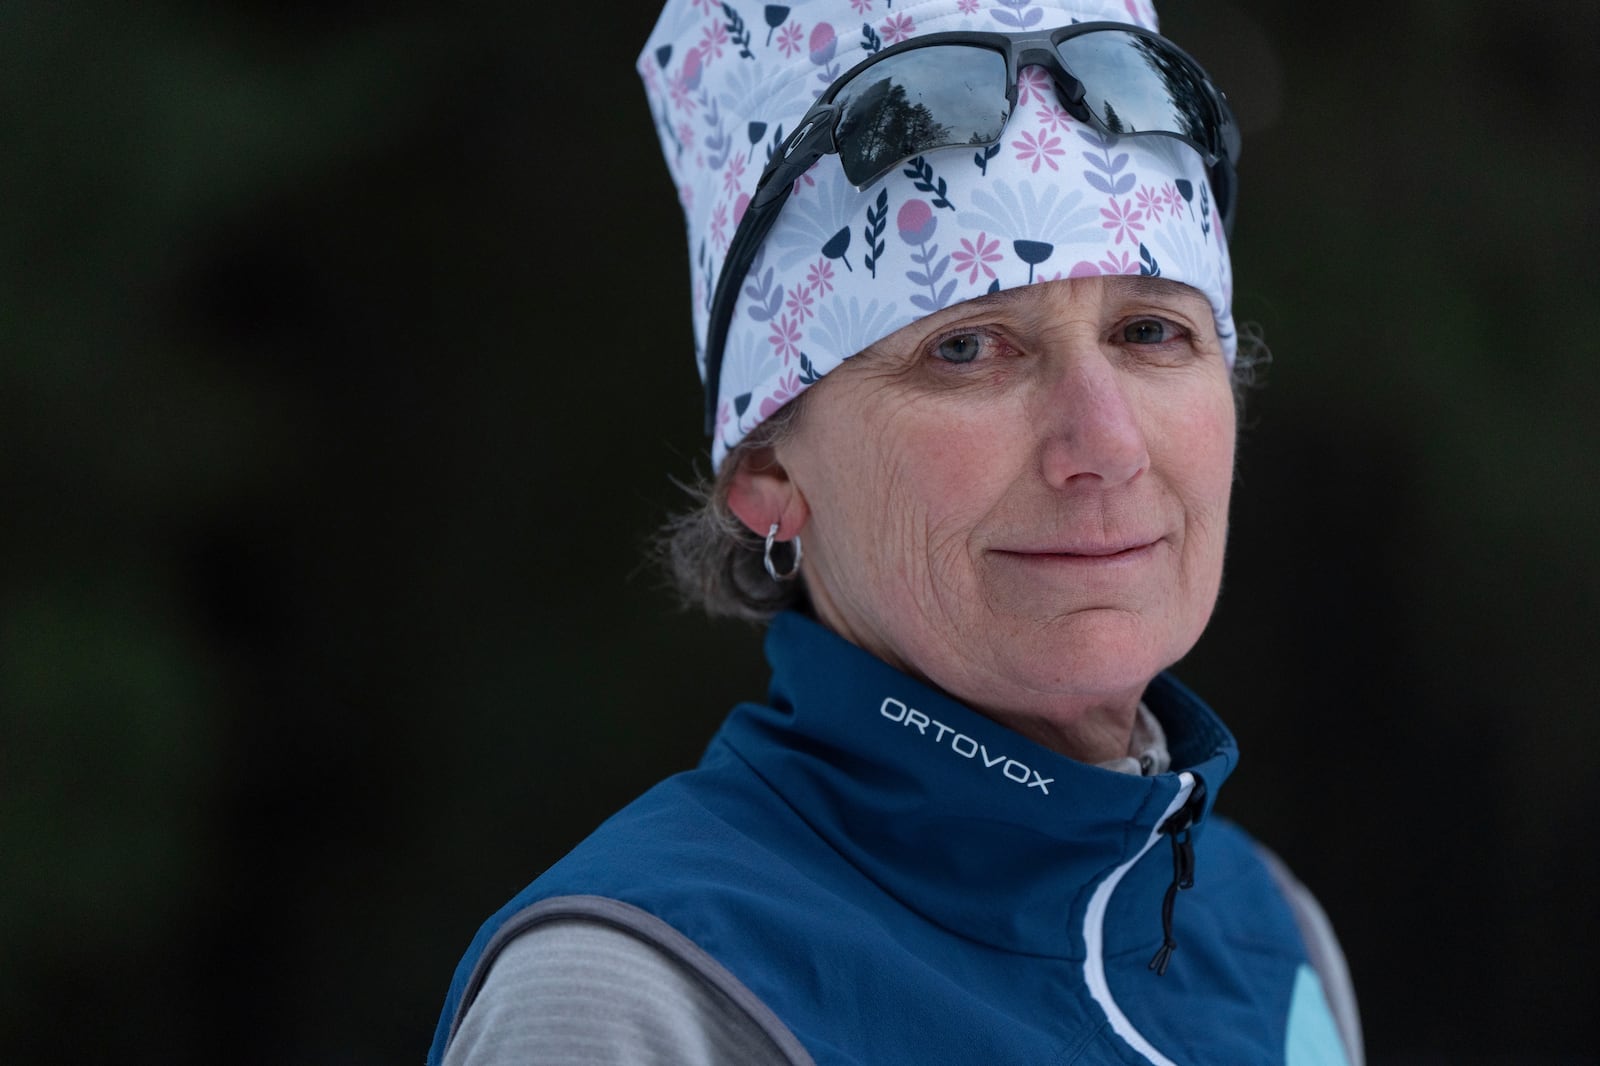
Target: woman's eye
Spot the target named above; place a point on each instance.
(1148, 331)
(961, 348)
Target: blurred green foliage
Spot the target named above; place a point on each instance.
(325, 620)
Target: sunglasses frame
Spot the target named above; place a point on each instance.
(814, 138)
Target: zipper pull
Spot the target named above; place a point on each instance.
(1177, 827)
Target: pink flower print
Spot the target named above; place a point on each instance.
(1173, 197)
(714, 40)
(740, 205)
(1119, 263)
(799, 303)
(719, 226)
(823, 44)
(967, 7)
(682, 93)
(1152, 203)
(789, 39)
(686, 196)
(897, 28)
(975, 257)
(1031, 82)
(710, 6)
(1123, 219)
(685, 133)
(731, 177)
(788, 388)
(916, 222)
(820, 277)
(785, 337)
(1054, 117)
(861, 7)
(1038, 149)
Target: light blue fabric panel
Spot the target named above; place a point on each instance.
(1313, 1036)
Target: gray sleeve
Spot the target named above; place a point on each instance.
(574, 991)
(1324, 954)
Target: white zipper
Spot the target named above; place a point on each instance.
(1094, 920)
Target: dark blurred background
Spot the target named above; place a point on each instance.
(325, 620)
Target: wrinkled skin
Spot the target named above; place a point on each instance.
(1021, 499)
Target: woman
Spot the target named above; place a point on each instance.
(959, 828)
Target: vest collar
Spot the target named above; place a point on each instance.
(964, 821)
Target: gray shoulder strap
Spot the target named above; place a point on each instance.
(650, 930)
(1323, 952)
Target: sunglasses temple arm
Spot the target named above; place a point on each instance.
(812, 140)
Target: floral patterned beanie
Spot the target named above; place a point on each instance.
(728, 81)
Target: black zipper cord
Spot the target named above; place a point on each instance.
(1177, 827)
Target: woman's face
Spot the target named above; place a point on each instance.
(1022, 498)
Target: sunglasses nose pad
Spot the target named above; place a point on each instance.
(1070, 92)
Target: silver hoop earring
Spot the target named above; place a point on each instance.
(766, 557)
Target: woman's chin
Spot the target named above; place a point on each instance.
(1091, 658)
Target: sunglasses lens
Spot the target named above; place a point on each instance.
(1134, 85)
(925, 98)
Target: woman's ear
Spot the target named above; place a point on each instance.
(761, 494)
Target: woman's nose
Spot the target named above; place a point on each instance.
(1090, 428)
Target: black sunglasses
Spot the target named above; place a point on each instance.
(958, 90)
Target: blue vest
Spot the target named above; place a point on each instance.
(902, 880)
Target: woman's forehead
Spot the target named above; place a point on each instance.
(1042, 297)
